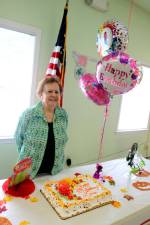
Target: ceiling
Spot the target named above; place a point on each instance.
(144, 4)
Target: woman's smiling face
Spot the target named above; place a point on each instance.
(51, 95)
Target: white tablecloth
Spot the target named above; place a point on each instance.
(133, 212)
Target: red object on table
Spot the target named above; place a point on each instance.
(23, 189)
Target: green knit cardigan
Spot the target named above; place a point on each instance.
(32, 133)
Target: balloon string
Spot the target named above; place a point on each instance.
(130, 13)
(102, 134)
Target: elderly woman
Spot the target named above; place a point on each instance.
(41, 131)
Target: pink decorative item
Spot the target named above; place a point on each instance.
(93, 90)
(118, 73)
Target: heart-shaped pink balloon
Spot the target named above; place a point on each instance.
(93, 90)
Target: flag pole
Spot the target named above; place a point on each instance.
(64, 56)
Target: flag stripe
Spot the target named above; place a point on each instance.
(56, 54)
(53, 61)
(50, 72)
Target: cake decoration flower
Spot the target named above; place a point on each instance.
(64, 188)
(116, 204)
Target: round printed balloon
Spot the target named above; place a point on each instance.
(93, 90)
(112, 36)
(118, 73)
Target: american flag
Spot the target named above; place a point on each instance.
(57, 63)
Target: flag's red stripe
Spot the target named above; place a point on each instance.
(56, 54)
(52, 66)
